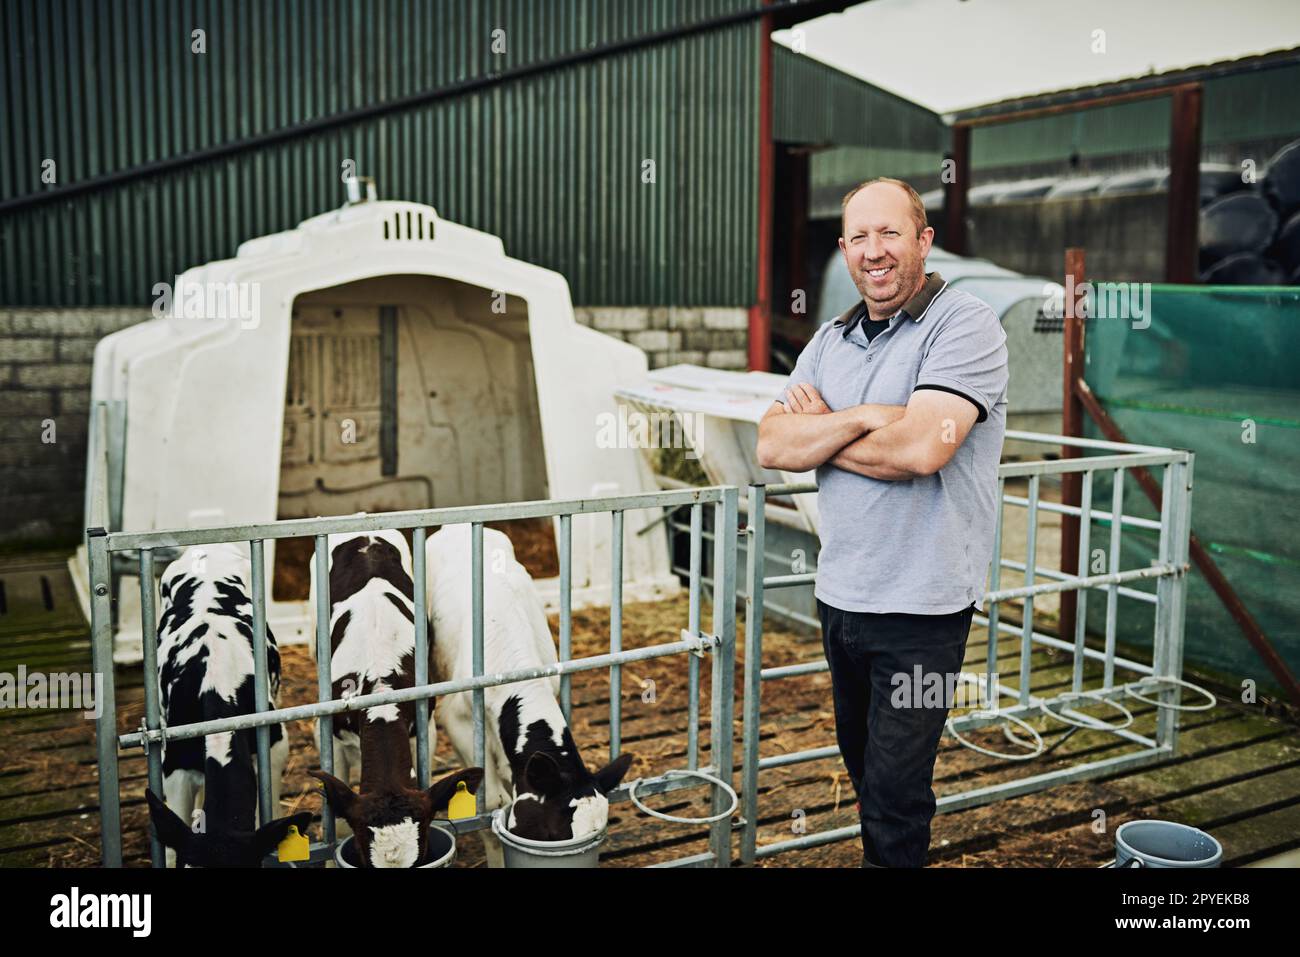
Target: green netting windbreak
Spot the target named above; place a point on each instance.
(1213, 369)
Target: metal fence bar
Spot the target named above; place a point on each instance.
(333, 706)
(429, 517)
(1041, 572)
(693, 624)
(152, 710)
(324, 682)
(1098, 515)
(722, 696)
(1031, 559)
(566, 613)
(1161, 636)
(615, 633)
(1112, 594)
(261, 698)
(1081, 566)
(995, 579)
(476, 643)
(755, 560)
(1176, 588)
(420, 599)
(101, 655)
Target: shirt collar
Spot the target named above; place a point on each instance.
(915, 308)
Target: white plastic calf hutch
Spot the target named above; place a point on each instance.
(375, 358)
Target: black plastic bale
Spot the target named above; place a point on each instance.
(1281, 183)
(1236, 223)
(1244, 269)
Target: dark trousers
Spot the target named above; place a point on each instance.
(887, 726)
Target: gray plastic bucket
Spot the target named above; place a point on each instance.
(522, 852)
(1165, 844)
(440, 849)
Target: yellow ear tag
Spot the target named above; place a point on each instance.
(462, 803)
(294, 847)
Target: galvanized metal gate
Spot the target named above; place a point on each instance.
(718, 646)
(1158, 682)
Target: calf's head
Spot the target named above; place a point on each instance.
(557, 798)
(390, 827)
(218, 846)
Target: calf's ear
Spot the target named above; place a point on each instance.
(608, 777)
(171, 830)
(440, 792)
(342, 799)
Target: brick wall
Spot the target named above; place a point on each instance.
(45, 365)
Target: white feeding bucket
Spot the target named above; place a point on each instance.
(522, 852)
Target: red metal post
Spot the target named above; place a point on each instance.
(1071, 425)
(954, 194)
(1184, 212)
(760, 313)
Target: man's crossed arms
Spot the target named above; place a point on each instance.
(891, 442)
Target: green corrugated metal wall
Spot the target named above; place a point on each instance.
(815, 103)
(552, 163)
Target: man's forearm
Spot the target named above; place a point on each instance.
(882, 454)
(796, 442)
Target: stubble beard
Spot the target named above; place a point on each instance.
(906, 279)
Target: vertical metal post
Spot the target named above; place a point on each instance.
(101, 654)
(324, 683)
(995, 579)
(1081, 570)
(616, 634)
(420, 599)
(1031, 564)
(261, 682)
(152, 713)
(693, 623)
(1180, 535)
(722, 698)
(476, 619)
(1160, 639)
(1112, 591)
(566, 613)
(754, 567)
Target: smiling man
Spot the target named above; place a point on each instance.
(900, 406)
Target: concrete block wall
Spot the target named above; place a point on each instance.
(45, 363)
(713, 336)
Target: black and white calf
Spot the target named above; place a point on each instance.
(205, 672)
(372, 640)
(531, 756)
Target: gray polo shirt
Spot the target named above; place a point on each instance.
(922, 545)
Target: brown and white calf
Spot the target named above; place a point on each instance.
(532, 760)
(372, 641)
(205, 672)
